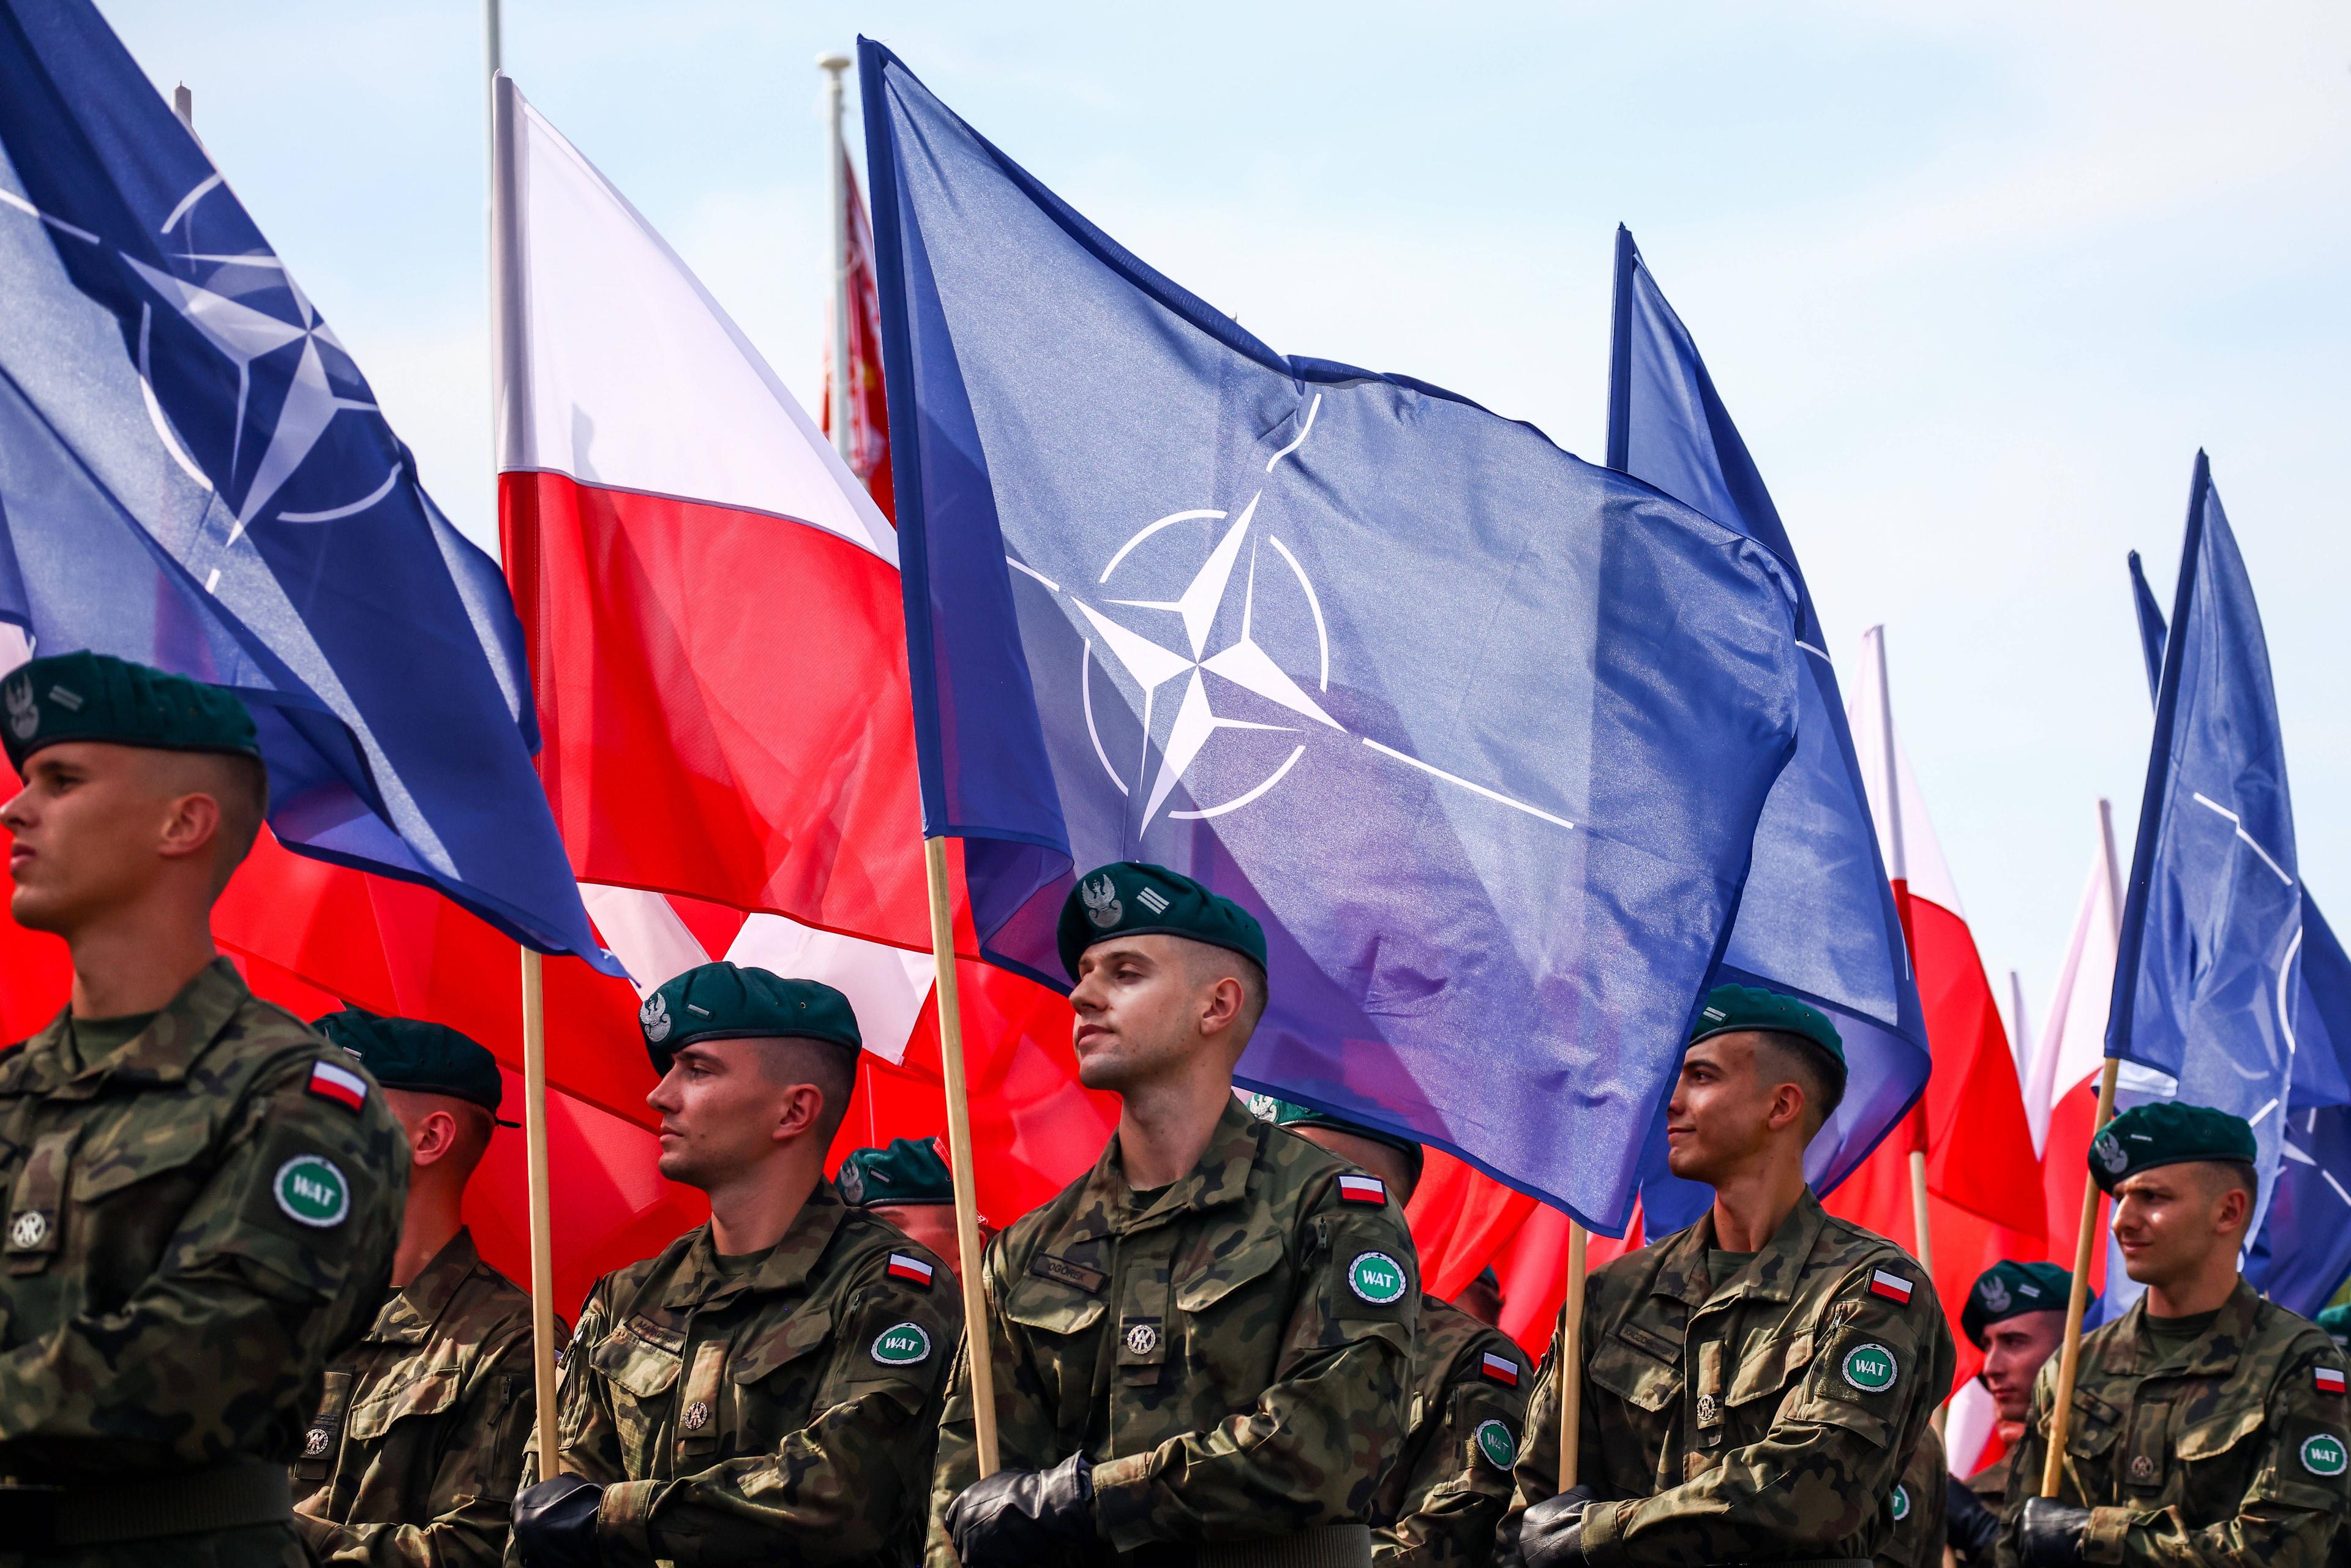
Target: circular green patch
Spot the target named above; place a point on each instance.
(1870, 1368)
(1495, 1442)
(902, 1346)
(312, 1192)
(1901, 1502)
(2324, 1455)
(1378, 1277)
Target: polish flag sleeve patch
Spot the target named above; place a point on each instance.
(340, 1084)
(913, 1270)
(1500, 1369)
(1893, 1287)
(2328, 1378)
(1363, 1190)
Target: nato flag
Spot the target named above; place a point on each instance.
(1818, 918)
(194, 475)
(1479, 731)
(2302, 1253)
(2205, 988)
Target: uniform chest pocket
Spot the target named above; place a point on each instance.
(1638, 1377)
(787, 1342)
(636, 1366)
(1207, 1281)
(2208, 1439)
(1058, 1322)
(1769, 1370)
(430, 1392)
(2095, 1425)
(1051, 1307)
(115, 1156)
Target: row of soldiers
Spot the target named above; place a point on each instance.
(241, 1321)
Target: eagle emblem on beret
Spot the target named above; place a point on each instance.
(23, 715)
(2109, 1150)
(654, 1018)
(1994, 1296)
(1100, 896)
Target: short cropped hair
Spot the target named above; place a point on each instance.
(791, 1059)
(1791, 1058)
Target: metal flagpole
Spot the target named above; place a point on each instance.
(534, 1008)
(977, 1355)
(833, 66)
(2077, 1301)
(1921, 1217)
(183, 104)
(1570, 1370)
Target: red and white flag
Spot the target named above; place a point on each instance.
(2062, 1081)
(869, 414)
(709, 595)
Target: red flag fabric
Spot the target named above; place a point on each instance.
(710, 596)
(869, 414)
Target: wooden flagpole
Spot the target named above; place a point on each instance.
(1570, 1371)
(967, 1201)
(2077, 1301)
(534, 1006)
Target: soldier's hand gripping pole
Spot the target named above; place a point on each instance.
(976, 1336)
(2061, 1411)
(1571, 1358)
(542, 1238)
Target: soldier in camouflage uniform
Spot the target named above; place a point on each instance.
(767, 1388)
(1920, 1507)
(1442, 1499)
(2016, 1315)
(906, 1185)
(2207, 1426)
(412, 1456)
(203, 1196)
(1754, 1387)
(1203, 1348)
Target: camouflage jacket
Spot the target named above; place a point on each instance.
(786, 1412)
(1767, 1420)
(1235, 1356)
(413, 1454)
(197, 1220)
(1921, 1499)
(1994, 1482)
(1445, 1492)
(2230, 1450)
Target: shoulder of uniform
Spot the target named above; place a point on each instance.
(1299, 1163)
(2298, 1340)
(1033, 1229)
(871, 1249)
(625, 1282)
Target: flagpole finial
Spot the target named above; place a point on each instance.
(836, 63)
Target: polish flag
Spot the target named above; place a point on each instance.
(710, 596)
(2062, 1081)
(869, 414)
(1983, 1177)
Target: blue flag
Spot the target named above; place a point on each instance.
(1480, 732)
(2205, 990)
(2302, 1253)
(1818, 917)
(194, 473)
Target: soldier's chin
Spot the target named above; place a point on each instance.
(38, 909)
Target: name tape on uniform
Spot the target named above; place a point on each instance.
(340, 1084)
(1363, 1190)
(913, 1270)
(1893, 1287)
(1500, 1368)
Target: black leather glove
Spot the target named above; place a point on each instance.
(1014, 1518)
(1972, 1529)
(2050, 1533)
(1550, 1532)
(555, 1523)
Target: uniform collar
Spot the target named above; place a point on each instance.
(2133, 1349)
(701, 1283)
(1770, 1276)
(163, 1052)
(408, 1318)
(1221, 1176)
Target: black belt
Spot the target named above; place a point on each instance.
(230, 1496)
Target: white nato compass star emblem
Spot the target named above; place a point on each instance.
(1205, 660)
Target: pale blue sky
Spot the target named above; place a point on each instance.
(1976, 280)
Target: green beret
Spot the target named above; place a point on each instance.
(1735, 1007)
(2336, 1321)
(2166, 1132)
(1290, 1113)
(2011, 1290)
(95, 696)
(1130, 898)
(408, 1053)
(907, 1170)
(721, 1001)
